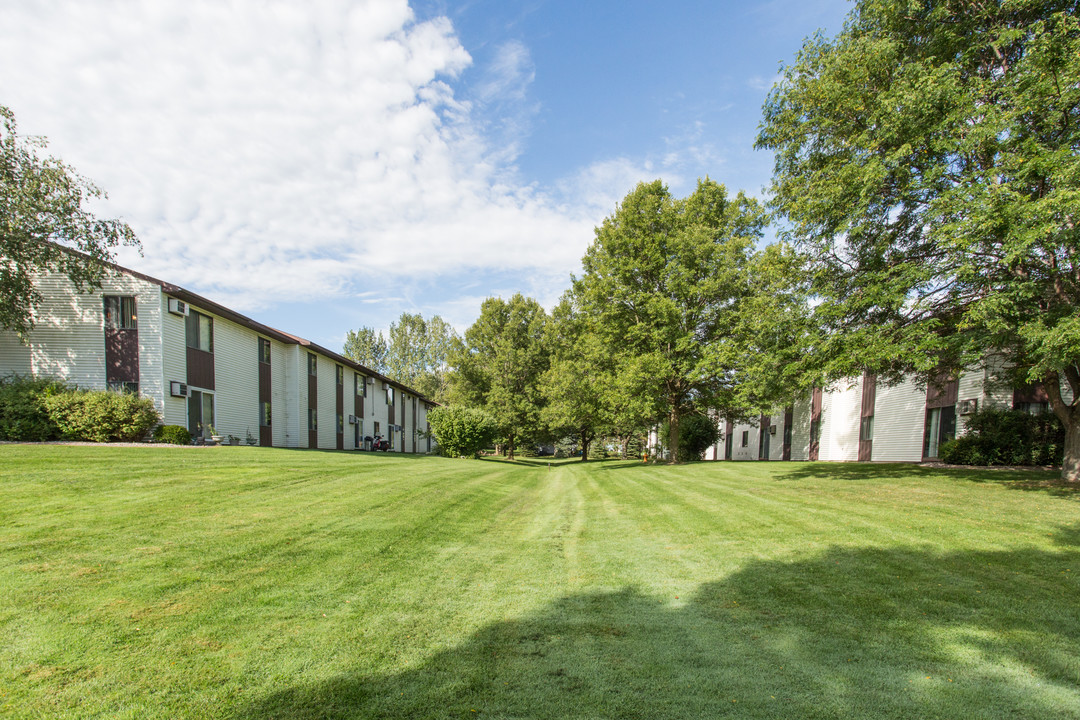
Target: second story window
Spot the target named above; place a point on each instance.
(340, 375)
(389, 395)
(200, 331)
(312, 364)
(120, 312)
(264, 351)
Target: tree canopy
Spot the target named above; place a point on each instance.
(43, 214)
(661, 281)
(416, 353)
(499, 363)
(927, 165)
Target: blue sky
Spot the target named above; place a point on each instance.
(322, 166)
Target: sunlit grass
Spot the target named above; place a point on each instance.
(257, 583)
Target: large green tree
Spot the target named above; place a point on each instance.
(661, 281)
(43, 214)
(498, 366)
(367, 347)
(928, 164)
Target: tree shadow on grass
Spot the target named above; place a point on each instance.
(884, 633)
(1019, 478)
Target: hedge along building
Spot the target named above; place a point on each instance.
(204, 366)
(863, 420)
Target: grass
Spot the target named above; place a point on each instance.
(254, 583)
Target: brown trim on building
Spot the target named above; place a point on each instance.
(200, 368)
(764, 437)
(815, 424)
(266, 431)
(1030, 394)
(339, 379)
(729, 443)
(121, 355)
(866, 417)
(789, 420)
(942, 392)
(313, 401)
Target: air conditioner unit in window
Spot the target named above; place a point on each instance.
(178, 389)
(352, 420)
(178, 307)
(968, 407)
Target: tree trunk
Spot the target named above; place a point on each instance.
(1070, 465)
(510, 448)
(673, 434)
(1070, 419)
(585, 440)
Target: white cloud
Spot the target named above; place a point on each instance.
(271, 151)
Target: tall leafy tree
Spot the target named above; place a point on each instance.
(577, 387)
(661, 280)
(43, 214)
(927, 164)
(367, 347)
(417, 353)
(498, 366)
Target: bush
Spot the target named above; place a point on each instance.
(1007, 437)
(172, 434)
(696, 434)
(23, 415)
(100, 416)
(461, 431)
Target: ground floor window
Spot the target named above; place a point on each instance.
(264, 414)
(124, 386)
(866, 429)
(312, 419)
(940, 426)
(200, 413)
(745, 438)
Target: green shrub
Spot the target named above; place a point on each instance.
(696, 434)
(101, 416)
(461, 431)
(23, 415)
(1007, 437)
(172, 434)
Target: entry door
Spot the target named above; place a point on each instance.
(200, 413)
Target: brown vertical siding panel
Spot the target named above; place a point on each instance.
(313, 404)
(789, 419)
(815, 424)
(121, 355)
(340, 403)
(942, 392)
(266, 434)
(200, 368)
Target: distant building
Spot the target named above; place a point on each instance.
(205, 365)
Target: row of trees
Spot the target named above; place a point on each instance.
(926, 197)
(927, 203)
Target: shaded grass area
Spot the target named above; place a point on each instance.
(256, 583)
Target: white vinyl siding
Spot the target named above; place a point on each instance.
(68, 340)
(899, 416)
(236, 379)
(750, 452)
(840, 422)
(327, 403)
(279, 408)
(295, 368)
(800, 428)
(174, 354)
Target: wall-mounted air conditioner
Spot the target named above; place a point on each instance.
(178, 389)
(352, 420)
(178, 307)
(371, 381)
(968, 407)
(772, 429)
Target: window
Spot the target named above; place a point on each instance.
(120, 312)
(200, 412)
(340, 424)
(376, 430)
(1033, 408)
(940, 426)
(745, 438)
(124, 387)
(340, 375)
(389, 395)
(866, 429)
(358, 385)
(264, 351)
(312, 419)
(312, 364)
(264, 414)
(200, 331)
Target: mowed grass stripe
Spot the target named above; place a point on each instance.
(255, 583)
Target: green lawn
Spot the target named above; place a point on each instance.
(254, 583)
